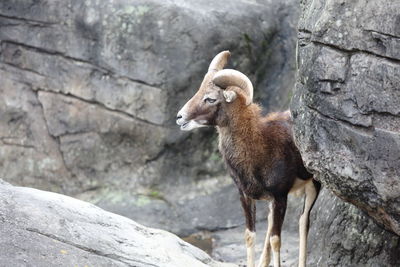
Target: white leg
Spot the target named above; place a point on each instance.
(276, 248)
(311, 195)
(266, 253)
(250, 243)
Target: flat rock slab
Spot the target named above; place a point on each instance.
(40, 228)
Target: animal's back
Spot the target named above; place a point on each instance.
(278, 127)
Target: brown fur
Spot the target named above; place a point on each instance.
(259, 151)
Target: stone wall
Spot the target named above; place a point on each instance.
(90, 89)
(347, 118)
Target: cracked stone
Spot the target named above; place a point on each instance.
(354, 25)
(350, 138)
(24, 140)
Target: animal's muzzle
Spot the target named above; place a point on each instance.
(181, 121)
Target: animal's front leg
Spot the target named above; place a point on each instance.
(249, 208)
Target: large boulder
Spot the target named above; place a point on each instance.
(41, 228)
(347, 118)
(346, 102)
(342, 235)
(90, 89)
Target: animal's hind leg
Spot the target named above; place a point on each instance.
(266, 253)
(249, 208)
(311, 191)
(278, 215)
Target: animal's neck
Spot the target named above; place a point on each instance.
(242, 134)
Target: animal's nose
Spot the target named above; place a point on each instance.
(179, 119)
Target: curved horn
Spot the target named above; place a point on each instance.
(228, 77)
(219, 61)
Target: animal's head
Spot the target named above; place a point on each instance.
(220, 87)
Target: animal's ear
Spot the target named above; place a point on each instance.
(229, 95)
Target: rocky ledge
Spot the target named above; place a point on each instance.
(40, 228)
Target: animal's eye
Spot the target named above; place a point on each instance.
(209, 100)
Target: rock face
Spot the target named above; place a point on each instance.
(90, 89)
(347, 118)
(342, 235)
(40, 228)
(346, 104)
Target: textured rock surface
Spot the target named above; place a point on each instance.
(347, 118)
(347, 102)
(40, 228)
(342, 235)
(89, 91)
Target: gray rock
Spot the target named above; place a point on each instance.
(342, 235)
(346, 105)
(29, 154)
(40, 228)
(355, 26)
(90, 90)
(346, 114)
